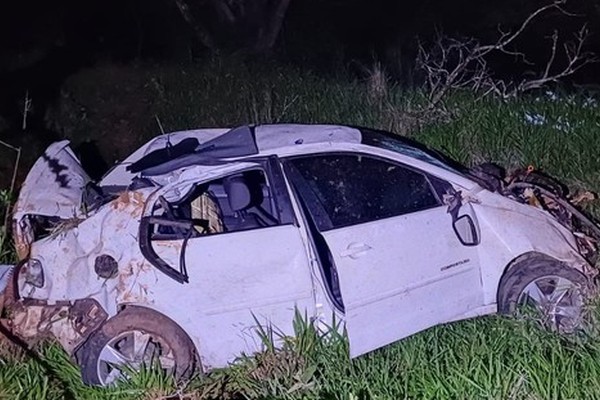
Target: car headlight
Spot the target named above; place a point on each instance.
(34, 273)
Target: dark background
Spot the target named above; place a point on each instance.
(43, 43)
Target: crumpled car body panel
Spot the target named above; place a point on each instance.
(52, 188)
(517, 229)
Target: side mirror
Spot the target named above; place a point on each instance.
(465, 230)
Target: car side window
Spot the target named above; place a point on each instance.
(354, 188)
(237, 202)
(232, 203)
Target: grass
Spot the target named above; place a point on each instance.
(486, 358)
(120, 114)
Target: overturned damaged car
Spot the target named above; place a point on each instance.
(183, 248)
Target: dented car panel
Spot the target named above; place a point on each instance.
(54, 184)
(70, 257)
(68, 323)
(120, 176)
(510, 229)
(53, 188)
(221, 231)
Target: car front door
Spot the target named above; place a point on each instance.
(400, 264)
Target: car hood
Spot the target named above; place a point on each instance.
(53, 188)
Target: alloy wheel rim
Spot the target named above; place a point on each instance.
(130, 351)
(557, 300)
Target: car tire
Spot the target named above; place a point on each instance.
(157, 338)
(556, 292)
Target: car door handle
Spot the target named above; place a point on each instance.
(355, 250)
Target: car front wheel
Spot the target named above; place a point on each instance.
(133, 338)
(547, 291)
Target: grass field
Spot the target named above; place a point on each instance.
(486, 358)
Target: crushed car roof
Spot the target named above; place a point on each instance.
(237, 142)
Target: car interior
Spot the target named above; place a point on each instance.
(234, 203)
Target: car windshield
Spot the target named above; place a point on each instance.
(409, 148)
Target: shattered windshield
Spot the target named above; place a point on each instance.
(409, 148)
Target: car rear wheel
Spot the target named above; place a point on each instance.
(133, 338)
(547, 291)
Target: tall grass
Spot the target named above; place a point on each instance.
(121, 112)
(486, 358)
(7, 253)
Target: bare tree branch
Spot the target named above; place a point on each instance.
(508, 37)
(452, 64)
(576, 59)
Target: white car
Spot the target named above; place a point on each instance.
(185, 246)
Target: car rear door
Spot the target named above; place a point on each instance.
(247, 273)
(401, 266)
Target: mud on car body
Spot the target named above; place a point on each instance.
(185, 246)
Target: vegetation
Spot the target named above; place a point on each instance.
(121, 113)
(492, 357)
(487, 358)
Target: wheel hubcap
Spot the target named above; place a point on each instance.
(557, 300)
(129, 351)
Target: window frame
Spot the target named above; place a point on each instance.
(322, 218)
(282, 206)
